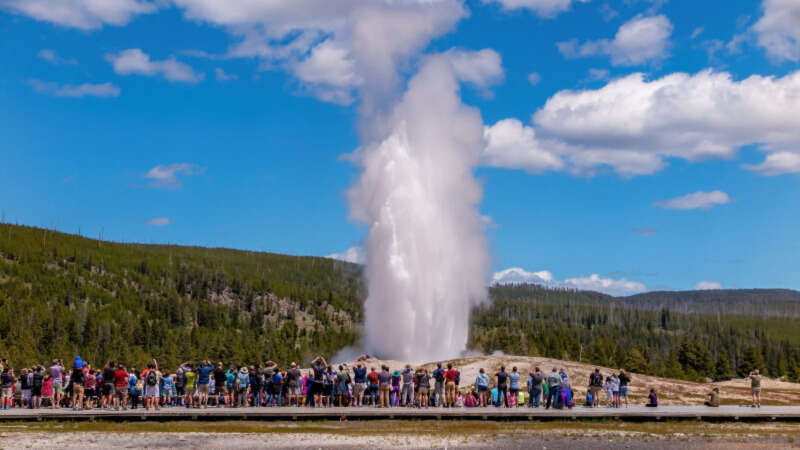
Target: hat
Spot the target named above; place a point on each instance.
(396, 373)
(78, 362)
(294, 365)
(243, 370)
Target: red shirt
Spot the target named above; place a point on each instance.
(121, 378)
(450, 375)
(373, 377)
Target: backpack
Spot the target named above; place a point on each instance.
(439, 375)
(152, 378)
(458, 378)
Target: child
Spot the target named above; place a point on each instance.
(653, 399)
(589, 399)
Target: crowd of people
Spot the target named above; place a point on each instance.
(190, 385)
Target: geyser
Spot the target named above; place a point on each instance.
(427, 256)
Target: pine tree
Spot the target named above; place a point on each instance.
(722, 368)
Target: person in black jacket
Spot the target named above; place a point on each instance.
(36, 387)
(624, 379)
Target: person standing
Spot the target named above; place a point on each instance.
(360, 380)
(513, 386)
(384, 386)
(482, 383)
(203, 381)
(615, 389)
(535, 388)
(6, 385)
(342, 383)
(501, 378)
(407, 396)
(242, 384)
(56, 378)
(293, 384)
(554, 389)
(450, 385)
(318, 366)
(624, 380)
(755, 388)
(135, 387)
(438, 387)
(121, 387)
(36, 387)
(374, 384)
(107, 401)
(595, 386)
(77, 379)
(423, 385)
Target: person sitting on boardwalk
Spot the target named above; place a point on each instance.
(653, 399)
(755, 388)
(713, 398)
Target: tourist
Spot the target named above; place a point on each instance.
(535, 388)
(135, 388)
(318, 366)
(121, 387)
(502, 387)
(652, 399)
(151, 377)
(513, 386)
(107, 401)
(554, 389)
(423, 382)
(713, 398)
(615, 390)
(360, 380)
(242, 385)
(293, 384)
(624, 380)
(56, 378)
(595, 386)
(77, 380)
(384, 386)
(329, 386)
(438, 387)
(342, 383)
(374, 382)
(180, 386)
(165, 387)
(90, 388)
(608, 386)
(190, 378)
(394, 395)
(203, 380)
(37, 382)
(407, 397)
(451, 390)
(25, 387)
(219, 385)
(6, 387)
(277, 386)
(482, 383)
(755, 388)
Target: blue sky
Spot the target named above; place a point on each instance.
(195, 123)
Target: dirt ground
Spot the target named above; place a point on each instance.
(670, 392)
(387, 434)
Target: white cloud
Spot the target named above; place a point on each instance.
(777, 164)
(53, 58)
(481, 68)
(778, 30)
(220, 75)
(593, 282)
(519, 275)
(166, 177)
(534, 78)
(599, 74)
(695, 200)
(158, 221)
(83, 14)
(355, 255)
(510, 144)
(638, 41)
(645, 231)
(631, 124)
(69, 90)
(708, 285)
(367, 38)
(135, 61)
(608, 286)
(543, 8)
(697, 32)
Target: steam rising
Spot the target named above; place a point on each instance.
(427, 258)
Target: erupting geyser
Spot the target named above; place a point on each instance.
(427, 256)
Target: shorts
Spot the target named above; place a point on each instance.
(108, 389)
(122, 391)
(150, 391)
(483, 388)
(316, 388)
(180, 390)
(77, 390)
(293, 390)
(88, 392)
(623, 391)
(609, 393)
(276, 389)
(616, 393)
(450, 388)
(26, 394)
(57, 387)
(756, 391)
(165, 393)
(5, 392)
(36, 392)
(422, 390)
(222, 390)
(358, 390)
(203, 389)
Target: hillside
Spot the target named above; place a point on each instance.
(60, 294)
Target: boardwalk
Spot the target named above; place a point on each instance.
(725, 413)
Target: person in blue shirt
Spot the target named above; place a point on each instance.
(243, 382)
(513, 385)
(134, 389)
(166, 389)
(230, 381)
(360, 380)
(438, 387)
(482, 383)
(203, 380)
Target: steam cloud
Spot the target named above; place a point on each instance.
(427, 256)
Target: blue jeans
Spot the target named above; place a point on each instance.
(533, 399)
(553, 397)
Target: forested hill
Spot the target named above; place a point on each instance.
(690, 335)
(61, 294)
